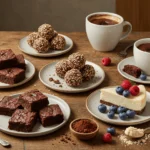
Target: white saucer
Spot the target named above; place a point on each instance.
(48, 71)
(38, 130)
(130, 61)
(29, 73)
(26, 48)
(93, 101)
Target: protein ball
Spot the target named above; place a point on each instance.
(46, 31)
(77, 61)
(73, 77)
(87, 72)
(58, 43)
(32, 37)
(41, 45)
(62, 67)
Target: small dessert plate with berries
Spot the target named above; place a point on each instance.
(38, 51)
(125, 104)
(128, 69)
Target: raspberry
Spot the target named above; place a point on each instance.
(126, 84)
(134, 90)
(106, 61)
(107, 137)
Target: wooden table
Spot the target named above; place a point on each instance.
(75, 101)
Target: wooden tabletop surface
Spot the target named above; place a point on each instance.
(76, 101)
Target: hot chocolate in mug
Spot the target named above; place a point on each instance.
(104, 30)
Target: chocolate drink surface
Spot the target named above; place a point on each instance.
(144, 47)
(104, 19)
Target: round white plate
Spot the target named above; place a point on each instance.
(48, 71)
(130, 61)
(93, 101)
(38, 129)
(26, 48)
(29, 73)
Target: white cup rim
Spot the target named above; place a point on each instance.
(109, 13)
(137, 42)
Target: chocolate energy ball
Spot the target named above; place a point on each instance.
(77, 60)
(32, 37)
(58, 43)
(62, 67)
(87, 72)
(46, 31)
(73, 77)
(41, 45)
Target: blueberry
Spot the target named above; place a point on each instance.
(121, 109)
(113, 108)
(102, 108)
(119, 90)
(111, 130)
(143, 77)
(130, 113)
(123, 116)
(110, 114)
(126, 93)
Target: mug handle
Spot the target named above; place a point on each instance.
(126, 23)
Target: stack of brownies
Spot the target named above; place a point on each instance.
(12, 67)
(27, 108)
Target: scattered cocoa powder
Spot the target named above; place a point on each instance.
(84, 126)
(67, 139)
(55, 81)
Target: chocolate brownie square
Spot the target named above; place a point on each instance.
(50, 115)
(8, 105)
(132, 70)
(33, 100)
(7, 58)
(12, 75)
(22, 120)
(20, 61)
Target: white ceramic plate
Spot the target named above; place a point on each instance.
(130, 61)
(26, 48)
(29, 73)
(38, 130)
(93, 101)
(49, 71)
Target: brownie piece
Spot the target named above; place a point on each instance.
(132, 70)
(12, 75)
(20, 61)
(22, 120)
(33, 100)
(7, 57)
(8, 105)
(50, 115)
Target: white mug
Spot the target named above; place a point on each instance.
(142, 58)
(106, 37)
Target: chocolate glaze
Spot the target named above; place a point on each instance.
(144, 47)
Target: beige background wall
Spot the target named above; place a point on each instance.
(64, 15)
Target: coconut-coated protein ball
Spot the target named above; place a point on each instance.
(73, 77)
(58, 43)
(32, 37)
(62, 67)
(46, 31)
(41, 45)
(77, 60)
(87, 72)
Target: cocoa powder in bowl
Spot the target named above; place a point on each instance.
(84, 126)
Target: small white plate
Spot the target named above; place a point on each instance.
(29, 73)
(93, 101)
(26, 48)
(38, 129)
(48, 71)
(130, 61)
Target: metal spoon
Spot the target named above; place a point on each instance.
(4, 142)
(124, 52)
(146, 131)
